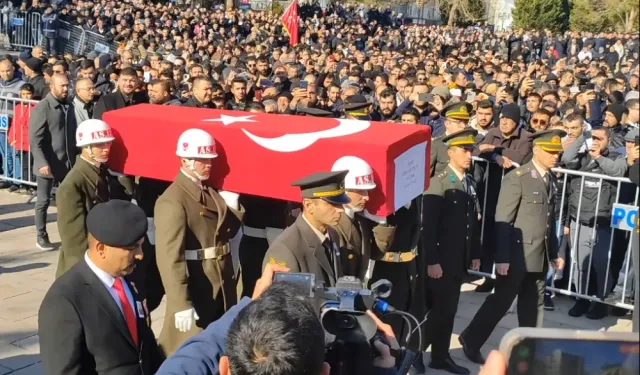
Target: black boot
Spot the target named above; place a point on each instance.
(598, 311)
(486, 287)
(580, 308)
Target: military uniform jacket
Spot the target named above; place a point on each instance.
(190, 218)
(359, 237)
(523, 220)
(84, 187)
(450, 231)
(407, 223)
(439, 156)
(299, 249)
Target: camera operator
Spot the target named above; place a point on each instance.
(274, 332)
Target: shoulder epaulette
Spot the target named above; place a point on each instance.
(522, 170)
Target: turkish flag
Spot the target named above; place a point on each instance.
(261, 154)
(290, 22)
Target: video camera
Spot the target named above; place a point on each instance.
(349, 331)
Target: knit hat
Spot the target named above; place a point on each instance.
(511, 111)
(443, 92)
(34, 64)
(633, 94)
(617, 110)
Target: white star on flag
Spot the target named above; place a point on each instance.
(226, 120)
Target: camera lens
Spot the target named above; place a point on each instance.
(346, 321)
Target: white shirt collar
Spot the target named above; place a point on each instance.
(320, 235)
(106, 279)
(97, 165)
(540, 170)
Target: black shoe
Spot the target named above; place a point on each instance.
(473, 355)
(619, 312)
(418, 363)
(580, 308)
(448, 365)
(598, 311)
(13, 188)
(42, 242)
(486, 287)
(548, 303)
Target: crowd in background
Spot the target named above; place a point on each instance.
(518, 82)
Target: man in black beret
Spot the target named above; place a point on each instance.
(91, 319)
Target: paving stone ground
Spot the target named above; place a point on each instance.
(27, 272)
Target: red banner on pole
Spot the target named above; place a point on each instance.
(290, 21)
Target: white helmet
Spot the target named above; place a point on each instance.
(91, 132)
(360, 176)
(196, 143)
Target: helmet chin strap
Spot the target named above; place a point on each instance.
(191, 165)
(97, 159)
(355, 209)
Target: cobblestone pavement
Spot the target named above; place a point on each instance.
(27, 272)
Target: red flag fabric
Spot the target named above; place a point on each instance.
(261, 154)
(290, 21)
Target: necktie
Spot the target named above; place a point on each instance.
(127, 310)
(327, 250)
(89, 109)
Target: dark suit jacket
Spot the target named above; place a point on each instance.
(450, 232)
(51, 139)
(115, 100)
(82, 330)
(523, 221)
(299, 249)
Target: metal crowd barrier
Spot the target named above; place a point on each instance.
(76, 40)
(572, 267)
(17, 162)
(23, 29)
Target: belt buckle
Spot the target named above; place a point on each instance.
(200, 254)
(395, 258)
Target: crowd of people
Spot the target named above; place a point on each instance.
(520, 102)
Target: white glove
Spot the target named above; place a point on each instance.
(374, 218)
(231, 199)
(185, 319)
(151, 231)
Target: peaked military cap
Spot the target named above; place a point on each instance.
(457, 111)
(549, 140)
(325, 185)
(314, 112)
(462, 138)
(117, 223)
(355, 102)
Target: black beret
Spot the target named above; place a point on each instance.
(117, 223)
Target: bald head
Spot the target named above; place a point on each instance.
(60, 86)
(6, 70)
